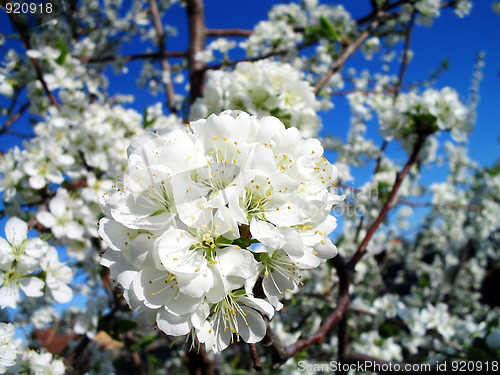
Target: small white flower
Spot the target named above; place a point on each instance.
(236, 316)
(19, 257)
(57, 277)
(60, 219)
(8, 351)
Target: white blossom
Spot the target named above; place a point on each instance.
(8, 349)
(174, 225)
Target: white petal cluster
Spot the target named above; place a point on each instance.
(32, 362)
(262, 88)
(429, 9)
(428, 113)
(281, 31)
(181, 225)
(8, 349)
(30, 265)
(443, 108)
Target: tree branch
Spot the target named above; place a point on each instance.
(406, 54)
(397, 184)
(197, 37)
(27, 43)
(228, 32)
(140, 56)
(165, 66)
(13, 117)
(351, 48)
(281, 354)
(257, 364)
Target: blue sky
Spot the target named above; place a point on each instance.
(458, 40)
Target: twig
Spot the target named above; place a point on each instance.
(140, 56)
(396, 4)
(351, 48)
(165, 66)
(276, 52)
(383, 147)
(197, 37)
(13, 118)
(27, 43)
(228, 32)
(257, 364)
(406, 54)
(452, 206)
(279, 353)
(399, 179)
(345, 276)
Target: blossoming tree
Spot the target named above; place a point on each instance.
(199, 234)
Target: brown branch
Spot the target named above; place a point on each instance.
(399, 84)
(13, 117)
(197, 37)
(281, 354)
(383, 147)
(248, 59)
(27, 43)
(351, 48)
(326, 325)
(165, 66)
(396, 4)
(277, 52)
(199, 363)
(228, 32)
(257, 364)
(397, 184)
(374, 11)
(452, 206)
(140, 56)
(406, 54)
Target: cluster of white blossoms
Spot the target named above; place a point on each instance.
(18, 360)
(182, 225)
(262, 88)
(30, 265)
(426, 114)
(434, 110)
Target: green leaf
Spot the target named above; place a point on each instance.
(242, 242)
(327, 29)
(63, 48)
(479, 350)
(147, 122)
(117, 326)
(312, 34)
(143, 342)
(388, 329)
(156, 213)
